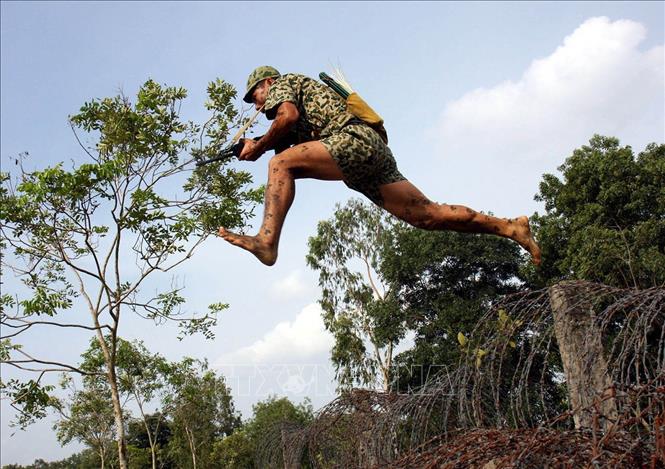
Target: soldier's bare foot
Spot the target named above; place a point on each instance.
(522, 234)
(261, 249)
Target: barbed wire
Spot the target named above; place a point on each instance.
(508, 403)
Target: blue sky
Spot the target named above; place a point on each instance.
(480, 99)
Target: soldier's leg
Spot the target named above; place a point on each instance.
(408, 203)
(307, 160)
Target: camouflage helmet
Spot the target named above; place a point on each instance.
(256, 77)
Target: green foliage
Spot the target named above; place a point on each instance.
(239, 450)
(359, 306)
(30, 398)
(88, 417)
(201, 410)
(236, 451)
(435, 284)
(445, 282)
(604, 219)
(72, 231)
(86, 459)
(273, 411)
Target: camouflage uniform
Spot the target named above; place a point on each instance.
(365, 160)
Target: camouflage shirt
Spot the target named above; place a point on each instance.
(322, 111)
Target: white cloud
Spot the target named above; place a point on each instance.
(290, 342)
(289, 287)
(597, 81)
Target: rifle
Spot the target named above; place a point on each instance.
(236, 146)
(226, 154)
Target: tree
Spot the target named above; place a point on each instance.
(239, 450)
(89, 237)
(604, 219)
(271, 411)
(141, 376)
(236, 451)
(148, 440)
(201, 409)
(86, 459)
(88, 418)
(445, 281)
(359, 306)
(435, 284)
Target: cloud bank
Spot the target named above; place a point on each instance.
(597, 81)
(291, 286)
(289, 342)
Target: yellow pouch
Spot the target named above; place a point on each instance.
(359, 108)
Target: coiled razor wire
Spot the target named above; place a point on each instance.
(506, 403)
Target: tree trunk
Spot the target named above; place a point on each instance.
(192, 446)
(119, 421)
(109, 360)
(151, 441)
(153, 451)
(581, 349)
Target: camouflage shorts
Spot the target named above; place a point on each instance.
(366, 162)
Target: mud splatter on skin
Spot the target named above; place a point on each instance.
(453, 208)
(496, 229)
(468, 210)
(420, 202)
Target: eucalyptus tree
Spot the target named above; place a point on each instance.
(381, 278)
(359, 305)
(142, 378)
(84, 240)
(201, 411)
(87, 417)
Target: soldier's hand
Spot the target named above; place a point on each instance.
(249, 152)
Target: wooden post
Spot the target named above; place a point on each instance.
(581, 349)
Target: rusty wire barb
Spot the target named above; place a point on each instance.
(509, 403)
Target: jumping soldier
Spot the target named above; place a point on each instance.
(330, 143)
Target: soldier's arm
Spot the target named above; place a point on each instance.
(285, 119)
(289, 140)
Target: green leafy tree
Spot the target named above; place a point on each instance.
(432, 283)
(236, 451)
(273, 411)
(445, 283)
(359, 305)
(201, 410)
(86, 459)
(604, 217)
(148, 440)
(141, 377)
(87, 238)
(88, 418)
(240, 449)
